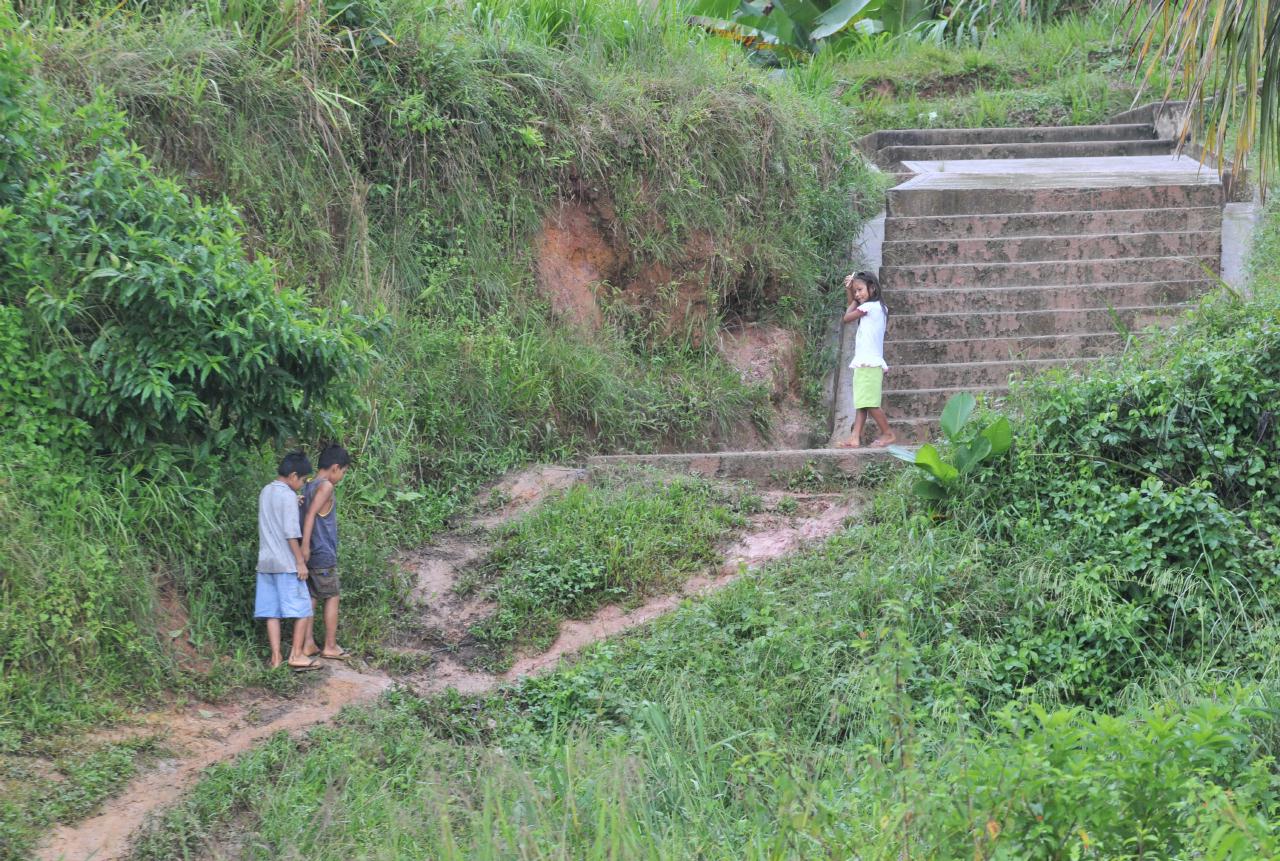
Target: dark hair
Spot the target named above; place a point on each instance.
(294, 461)
(873, 288)
(334, 455)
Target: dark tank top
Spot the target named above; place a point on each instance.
(324, 533)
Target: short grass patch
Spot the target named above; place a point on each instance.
(1074, 71)
(631, 534)
(60, 786)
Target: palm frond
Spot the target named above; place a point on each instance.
(1226, 60)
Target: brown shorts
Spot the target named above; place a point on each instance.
(323, 583)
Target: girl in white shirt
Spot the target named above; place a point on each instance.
(862, 289)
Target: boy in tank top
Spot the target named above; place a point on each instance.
(320, 546)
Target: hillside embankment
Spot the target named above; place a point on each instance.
(464, 239)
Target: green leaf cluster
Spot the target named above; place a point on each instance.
(797, 27)
(967, 449)
(144, 318)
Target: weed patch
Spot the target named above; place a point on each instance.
(39, 793)
(613, 541)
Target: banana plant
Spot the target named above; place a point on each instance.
(796, 27)
(968, 449)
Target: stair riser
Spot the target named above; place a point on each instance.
(971, 275)
(915, 433)
(926, 403)
(1117, 221)
(1068, 149)
(903, 303)
(978, 375)
(911, 430)
(1031, 249)
(1045, 134)
(919, 202)
(903, 352)
(1026, 324)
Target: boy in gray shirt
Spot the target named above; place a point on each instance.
(282, 571)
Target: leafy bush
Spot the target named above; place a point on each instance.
(149, 322)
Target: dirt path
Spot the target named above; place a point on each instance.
(202, 735)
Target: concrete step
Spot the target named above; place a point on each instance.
(892, 155)
(973, 375)
(1043, 134)
(957, 349)
(910, 430)
(1007, 324)
(914, 430)
(913, 200)
(1204, 243)
(927, 403)
(972, 275)
(1062, 297)
(763, 467)
(1112, 221)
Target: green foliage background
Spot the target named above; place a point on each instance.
(1077, 660)
(362, 270)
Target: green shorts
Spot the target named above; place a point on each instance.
(867, 383)
(323, 583)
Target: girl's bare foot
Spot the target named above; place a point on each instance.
(882, 441)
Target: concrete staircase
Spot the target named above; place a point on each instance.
(1007, 251)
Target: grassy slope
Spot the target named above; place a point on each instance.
(964, 687)
(323, 154)
(410, 177)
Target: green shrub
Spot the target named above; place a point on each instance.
(148, 321)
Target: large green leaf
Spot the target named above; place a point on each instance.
(899, 16)
(928, 459)
(929, 489)
(1001, 435)
(967, 456)
(903, 453)
(956, 413)
(837, 18)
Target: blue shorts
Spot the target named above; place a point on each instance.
(281, 596)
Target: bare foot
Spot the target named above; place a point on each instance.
(850, 443)
(310, 651)
(340, 655)
(882, 441)
(304, 665)
(275, 662)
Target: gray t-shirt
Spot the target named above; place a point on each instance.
(277, 523)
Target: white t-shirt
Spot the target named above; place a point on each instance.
(868, 343)
(277, 523)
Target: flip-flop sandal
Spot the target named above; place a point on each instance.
(341, 656)
(302, 668)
